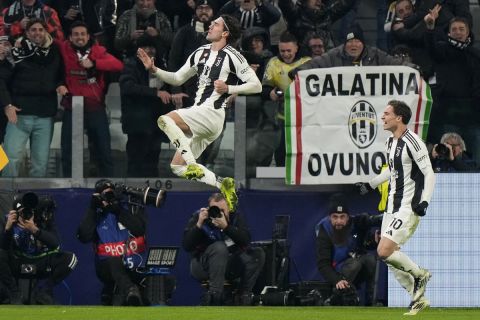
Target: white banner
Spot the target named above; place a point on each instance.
(333, 128)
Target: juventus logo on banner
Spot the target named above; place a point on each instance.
(362, 124)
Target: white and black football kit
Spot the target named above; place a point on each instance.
(411, 181)
(205, 118)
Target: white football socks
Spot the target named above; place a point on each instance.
(405, 279)
(177, 138)
(401, 261)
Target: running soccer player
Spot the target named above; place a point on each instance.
(410, 189)
(219, 68)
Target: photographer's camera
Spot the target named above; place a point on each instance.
(442, 151)
(214, 212)
(26, 205)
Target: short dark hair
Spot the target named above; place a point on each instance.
(462, 20)
(401, 109)
(286, 36)
(77, 24)
(232, 26)
(33, 21)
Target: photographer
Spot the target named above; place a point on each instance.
(219, 243)
(450, 155)
(342, 252)
(30, 247)
(117, 229)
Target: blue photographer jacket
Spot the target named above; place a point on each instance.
(330, 255)
(120, 234)
(114, 240)
(23, 243)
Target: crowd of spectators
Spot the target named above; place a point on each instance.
(436, 40)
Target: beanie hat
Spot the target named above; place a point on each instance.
(103, 184)
(355, 32)
(337, 204)
(211, 3)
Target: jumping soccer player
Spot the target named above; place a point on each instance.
(411, 187)
(219, 68)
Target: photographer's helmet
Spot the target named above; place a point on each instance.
(103, 184)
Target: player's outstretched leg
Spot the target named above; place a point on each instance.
(227, 188)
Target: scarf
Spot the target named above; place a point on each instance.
(459, 44)
(248, 18)
(28, 49)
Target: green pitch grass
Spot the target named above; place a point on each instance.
(229, 313)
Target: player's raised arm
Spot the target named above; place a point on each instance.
(173, 78)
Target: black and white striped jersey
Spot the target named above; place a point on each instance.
(409, 163)
(226, 64)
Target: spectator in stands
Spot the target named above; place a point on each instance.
(343, 258)
(29, 97)
(143, 101)
(276, 82)
(86, 64)
(450, 9)
(109, 221)
(30, 247)
(15, 18)
(255, 46)
(5, 53)
(412, 37)
(456, 89)
(252, 13)
(70, 11)
(187, 39)
(143, 20)
(218, 241)
(353, 52)
(450, 155)
(314, 16)
(315, 45)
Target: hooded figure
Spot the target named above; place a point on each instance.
(255, 45)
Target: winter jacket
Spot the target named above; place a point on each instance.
(302, 20)
(265, 14)
(33, 80)
(87, 83)
(337, 57)
(330, 255)
(11, 16)
(129, 21)
(102, 228)
(140, 105)
(196, 240)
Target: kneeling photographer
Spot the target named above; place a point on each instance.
(342, 252)
(116, 226)
(30, 248)
(219, 242)
(450, 155)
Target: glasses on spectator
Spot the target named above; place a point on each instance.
(316, 46)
